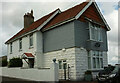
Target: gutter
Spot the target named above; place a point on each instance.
(60, 23)
(21, 36)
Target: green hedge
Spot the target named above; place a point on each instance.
(15, 62)
(4, 62)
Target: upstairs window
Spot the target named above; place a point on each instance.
(31, 40)
(95, 32)
(20, 44)
(10, 47)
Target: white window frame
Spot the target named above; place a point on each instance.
(11, 48)
(20, 44)
(63, 61)
(31, 40)
(98, 57)
(95, 32)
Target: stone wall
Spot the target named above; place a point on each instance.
(81, 62)
(68, 54)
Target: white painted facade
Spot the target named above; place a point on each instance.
(36, 49)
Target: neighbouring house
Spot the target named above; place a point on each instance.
(76, 38)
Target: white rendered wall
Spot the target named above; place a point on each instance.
(36, 50)
(25, 47)
(32, 74)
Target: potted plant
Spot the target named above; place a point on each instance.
(88, 75)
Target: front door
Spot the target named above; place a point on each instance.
(31, 62)
(63, 70)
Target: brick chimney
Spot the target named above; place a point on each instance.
(28, 19)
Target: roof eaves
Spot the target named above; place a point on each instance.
(21, 36)
(102, 17)
(61, 23)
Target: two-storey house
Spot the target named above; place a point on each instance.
(76, 38)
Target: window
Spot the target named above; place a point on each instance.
(62, 64)
(10, 47)
(31, 40)
(95, 32)
(20, 44)
(95, 59)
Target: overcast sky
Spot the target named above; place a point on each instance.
(12, 19)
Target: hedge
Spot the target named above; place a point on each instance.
(15, 62)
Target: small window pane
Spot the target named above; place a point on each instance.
(89, 62)
(60, 64)
(10, 47)
(98, 63)
(31, 40)
(65, 66)
(20, 44)
(94, 63)
(101, 61)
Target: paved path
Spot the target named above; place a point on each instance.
(15, 80)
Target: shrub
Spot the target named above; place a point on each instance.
(88, 72)
(88, 76)
(15, 62)
(4, 62)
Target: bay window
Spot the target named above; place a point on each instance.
(95, 59)
(95, 32)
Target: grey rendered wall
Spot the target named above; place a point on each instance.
(82, 37)
(58, 38)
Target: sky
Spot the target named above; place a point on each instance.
(12, 12)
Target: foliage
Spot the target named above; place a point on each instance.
(4, 62)
(15, 62)
(88, 72)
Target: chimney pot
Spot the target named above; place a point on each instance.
(28, 19)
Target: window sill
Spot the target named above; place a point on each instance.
(31, 47)
(94, 40)
(20, 50)
(95, 70)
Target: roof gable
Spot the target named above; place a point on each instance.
(88, 11)
(92, 14)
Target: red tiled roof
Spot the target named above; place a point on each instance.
(33, 26)
(72, 12)
(29, 54)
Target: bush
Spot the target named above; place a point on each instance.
(4, 62)
(15, 62)
(88, 72)
(88, 76)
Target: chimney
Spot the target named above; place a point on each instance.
(28, 19)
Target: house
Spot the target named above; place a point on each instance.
(76, 38)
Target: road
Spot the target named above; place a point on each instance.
(15, 80)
